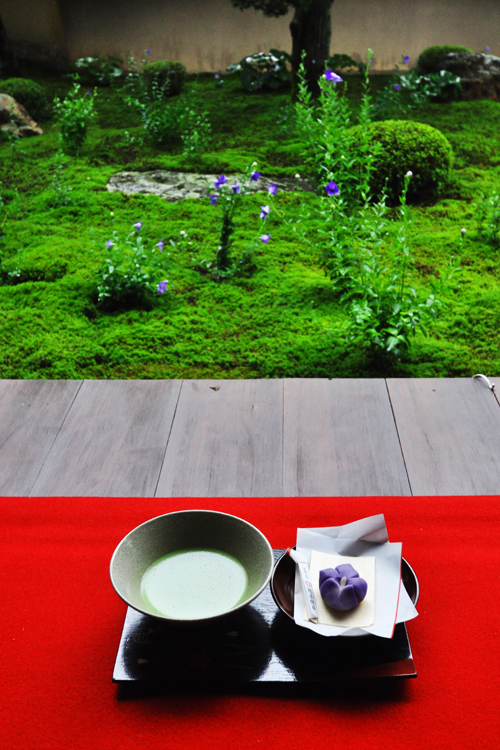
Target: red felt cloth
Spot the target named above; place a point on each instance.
(61, 622)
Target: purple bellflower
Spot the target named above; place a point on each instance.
(138, 226)
(265, 238)
(406, 59)
(332, 188)
(254, 176)
(213, 200)
(272, 189)
(162, 286)
(331, 76)
(220, 181)
(264, 212)
(109, 243)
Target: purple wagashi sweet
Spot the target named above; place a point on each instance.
(341, 587)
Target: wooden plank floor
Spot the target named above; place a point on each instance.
(249, 438)
(449, 435)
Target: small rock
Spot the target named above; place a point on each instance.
(14, 118)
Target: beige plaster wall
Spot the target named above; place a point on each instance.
(207, 35)
(393, 28)
(203, 34)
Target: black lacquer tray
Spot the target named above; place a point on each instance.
(257, 644)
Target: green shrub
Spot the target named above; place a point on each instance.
(429, 58)
(407, 90)
(263, 71)
(336, 152)
(163, 78)
(74, 114)
(130, 275)
(405, 146)
(100, 70)
(182, 119)
(29, 94)
(342, 62)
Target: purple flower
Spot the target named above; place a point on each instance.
(331, 76)
(406, 59)
(138, 226)
(265, 238)
(160, 244)
(109, 243)
(148, 52)
(488, 49)
(272, 189)
(220, 181)
(396, 86)
(88, 93)
(162, 286)
(332, 188)
(213, 200)
(236, 187)
(254, 176)
(264, 212)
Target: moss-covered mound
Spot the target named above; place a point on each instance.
(404, 146)
(428, 60)
(30, 94)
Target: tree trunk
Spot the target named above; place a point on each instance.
(311, 32)
(8, 62)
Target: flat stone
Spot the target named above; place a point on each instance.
(174, 186)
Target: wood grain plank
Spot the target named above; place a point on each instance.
(31, 415)
(226, 440)
(450, 435)
(340, 439)
(113, 441)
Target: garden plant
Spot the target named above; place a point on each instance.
(335, 276)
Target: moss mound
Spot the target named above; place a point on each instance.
(30, 94)
(410, 146)
(428, 60)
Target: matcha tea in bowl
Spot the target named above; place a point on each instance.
(191, 567)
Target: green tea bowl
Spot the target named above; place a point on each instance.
(191, 566)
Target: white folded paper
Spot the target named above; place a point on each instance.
(364, 538)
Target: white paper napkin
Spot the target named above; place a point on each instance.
(366, 537)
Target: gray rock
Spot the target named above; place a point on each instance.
(174, 186)
(15, 120)
(479, 74)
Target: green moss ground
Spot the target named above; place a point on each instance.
(285, 320)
